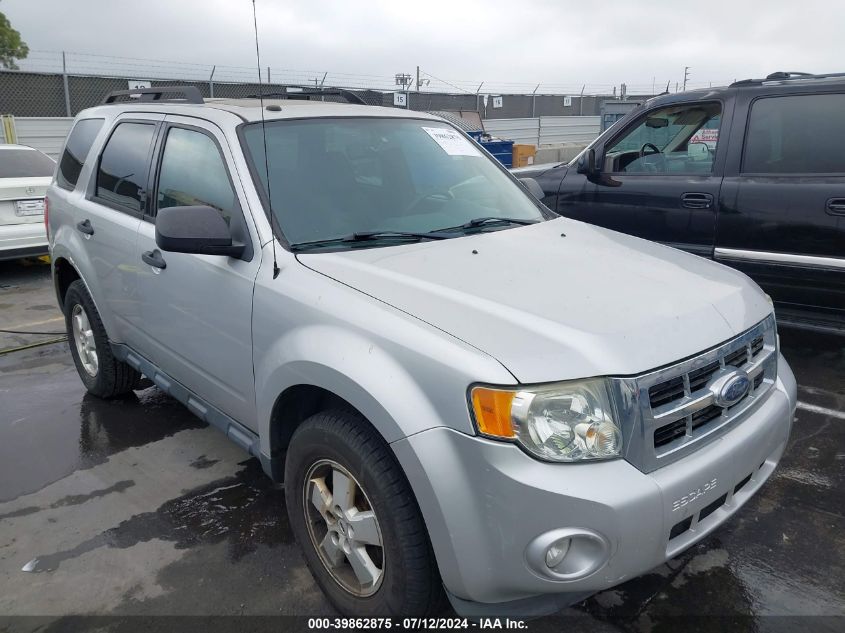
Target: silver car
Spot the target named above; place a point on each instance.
(465, 395)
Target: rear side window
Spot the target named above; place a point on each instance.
(25, 163)
(122, 173)
(193, 173)
(796, 135)
(76, 150)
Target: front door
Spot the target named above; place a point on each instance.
(660, 178)
(784, 220)
(197, 309)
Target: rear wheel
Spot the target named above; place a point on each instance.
(101, 373)
(357, 521)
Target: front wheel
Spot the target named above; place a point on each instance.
(357, 521)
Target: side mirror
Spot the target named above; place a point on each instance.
(533, 187)
(587, 163)
(698, 151)
(198, 229)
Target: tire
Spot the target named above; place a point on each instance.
(102, 374)
(409, 583)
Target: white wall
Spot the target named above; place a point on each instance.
(44, 133)
(546, 130)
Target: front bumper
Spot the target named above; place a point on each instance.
(22, 240)
(484, 502)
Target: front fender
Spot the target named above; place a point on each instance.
(353, 368)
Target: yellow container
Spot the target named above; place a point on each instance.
(523, 155)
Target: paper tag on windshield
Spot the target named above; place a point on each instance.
(452, 142)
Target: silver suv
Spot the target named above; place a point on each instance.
(464, 394)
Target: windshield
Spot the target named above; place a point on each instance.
(331, 178)
(25, 163)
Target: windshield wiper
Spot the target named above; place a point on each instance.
(365, 236)
(492, 219)
(497, 220)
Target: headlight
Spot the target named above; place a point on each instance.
(563, 422)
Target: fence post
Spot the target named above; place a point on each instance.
(64, 83)
(211, 82)
(9, 132)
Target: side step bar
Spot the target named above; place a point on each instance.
(233, 429)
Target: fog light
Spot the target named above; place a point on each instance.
(567, 553)
(556, 552)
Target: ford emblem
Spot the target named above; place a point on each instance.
(730, 387)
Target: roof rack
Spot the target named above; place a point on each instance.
(786, 76)
(189, 94)
(306, 93)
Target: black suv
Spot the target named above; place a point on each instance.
(752, 175)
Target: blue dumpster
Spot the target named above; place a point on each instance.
(501, 150)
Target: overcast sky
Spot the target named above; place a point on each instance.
(501, 42)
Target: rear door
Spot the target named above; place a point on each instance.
(661, 176)
(784, 219)
(107, 220)
(197, 309)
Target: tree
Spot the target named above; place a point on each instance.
(11, 46)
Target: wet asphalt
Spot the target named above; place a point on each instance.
(135, 507)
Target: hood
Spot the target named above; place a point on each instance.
(532, 171)
(549, 307)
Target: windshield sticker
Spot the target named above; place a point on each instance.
(452, 142)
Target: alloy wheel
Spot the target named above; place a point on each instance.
(83, 338)
(344, 528)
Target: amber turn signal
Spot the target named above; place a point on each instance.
(492, 408)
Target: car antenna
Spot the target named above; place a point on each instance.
(264, 138)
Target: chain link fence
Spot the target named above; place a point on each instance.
(51, 95)
(57, 84)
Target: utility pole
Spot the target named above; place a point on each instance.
(418, 78)
(686, 76)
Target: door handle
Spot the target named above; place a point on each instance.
(154, 259)
(697, 200)
(836, 206)
(85, 227)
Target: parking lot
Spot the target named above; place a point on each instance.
(134, 507)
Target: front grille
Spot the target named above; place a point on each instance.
(670, 432)
(678, 408)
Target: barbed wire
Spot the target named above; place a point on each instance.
(80, 63)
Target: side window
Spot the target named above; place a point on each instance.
(193, 173)
(679, 139)
(800, 134)
(122, 173)
(76, 150)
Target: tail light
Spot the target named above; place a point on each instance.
(47, 217)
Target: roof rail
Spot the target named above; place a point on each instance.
(785, 76)
(305, 93)
(189, 94)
